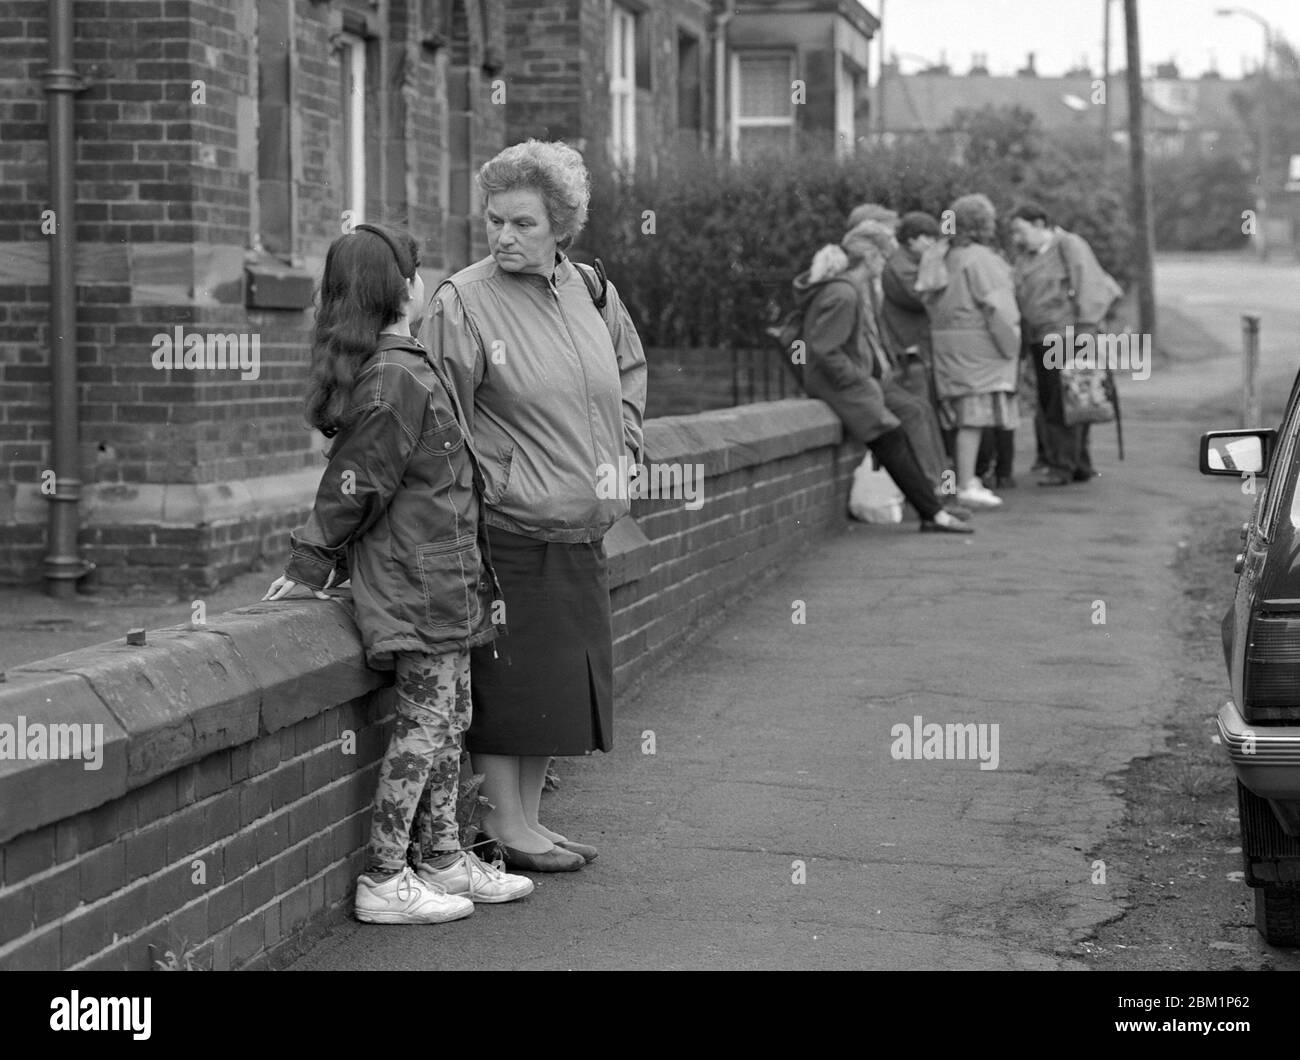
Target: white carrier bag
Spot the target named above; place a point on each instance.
(874, 498)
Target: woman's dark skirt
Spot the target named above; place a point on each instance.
(550, 690)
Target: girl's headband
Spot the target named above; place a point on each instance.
(392, 245)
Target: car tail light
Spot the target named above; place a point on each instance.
(1272, 672)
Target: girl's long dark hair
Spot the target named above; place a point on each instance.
(362, 291)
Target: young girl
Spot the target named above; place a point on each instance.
(397, 511)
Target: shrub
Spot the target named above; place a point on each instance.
(1198, 201)
(704, 254)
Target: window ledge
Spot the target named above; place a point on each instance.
(273, 285)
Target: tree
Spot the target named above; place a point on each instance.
(999, 138)
(1283, 107)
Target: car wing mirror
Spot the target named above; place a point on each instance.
(1237, 453)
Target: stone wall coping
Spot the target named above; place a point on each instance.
(725, 440)
(188, 692)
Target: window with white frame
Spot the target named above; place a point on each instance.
(622, 86)
(352, 83)
(762, 103)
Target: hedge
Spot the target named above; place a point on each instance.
(704, 253)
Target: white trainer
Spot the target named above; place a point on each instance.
(407, 899)
(977, 495)
(469, 876)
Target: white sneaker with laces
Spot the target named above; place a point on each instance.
(407, 899)
(469, 876)
(976, 495)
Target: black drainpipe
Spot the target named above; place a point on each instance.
(63, 565)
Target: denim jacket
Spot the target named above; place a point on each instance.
(398, 510)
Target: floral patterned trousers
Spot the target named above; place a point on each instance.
(415, 801)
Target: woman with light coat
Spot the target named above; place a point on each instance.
(553, 389)
(975, 332)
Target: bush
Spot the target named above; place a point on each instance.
(704, 254)
(1197, 202)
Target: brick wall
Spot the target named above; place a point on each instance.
(545, 98)
(227, 814)
(169, 146)
(560, 83)
(223, 859)
(659, 124)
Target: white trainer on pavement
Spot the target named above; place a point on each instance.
(469, 876)
(977, 495)
(407, 899)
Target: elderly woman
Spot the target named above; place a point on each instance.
(975, 332)
(553, 389)
(844, 372)
(871, 240)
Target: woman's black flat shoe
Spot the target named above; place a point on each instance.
(553, 860)
(587, 853)
(929, 527)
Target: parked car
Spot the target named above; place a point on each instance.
(1259, 726)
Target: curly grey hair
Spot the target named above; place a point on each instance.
(974, 218)
(555, 171)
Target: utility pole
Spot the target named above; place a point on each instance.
(1262, 187)
(1265, 92)
(1105, 88)
(880, 77)
(1137, 157)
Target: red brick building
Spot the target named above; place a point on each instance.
(218, 146)
(633, 77)
(644, 79)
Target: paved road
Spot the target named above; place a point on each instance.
(773, 739)
(1213, 292)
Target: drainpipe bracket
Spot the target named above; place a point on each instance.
(68, 491)
(66, 568)
(62, 79)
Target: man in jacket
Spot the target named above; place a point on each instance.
(1058, 283)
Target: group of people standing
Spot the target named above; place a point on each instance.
(915, 331)
(461, 500)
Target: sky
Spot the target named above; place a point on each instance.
(1062, 33)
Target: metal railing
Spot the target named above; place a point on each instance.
(757, 374)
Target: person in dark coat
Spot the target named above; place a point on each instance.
(841, 371)
(904, 323)
(874, 241)
(1059, 283)
(397, 512)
